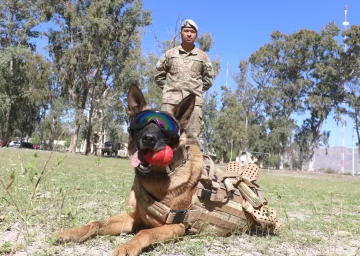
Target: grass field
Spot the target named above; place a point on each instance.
(320, 212)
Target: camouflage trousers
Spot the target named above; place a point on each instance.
(195, 126)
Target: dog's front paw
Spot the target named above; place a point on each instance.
(125, 251)
(78, 235)
(66, 236)
(62, 238)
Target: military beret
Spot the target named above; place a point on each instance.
(189, 24)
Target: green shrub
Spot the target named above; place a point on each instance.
(330, 171)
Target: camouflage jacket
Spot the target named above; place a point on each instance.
(180, 73)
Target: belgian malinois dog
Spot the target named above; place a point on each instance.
(173, 187)
(173, 191)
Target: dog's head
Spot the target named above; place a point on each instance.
(155, 130)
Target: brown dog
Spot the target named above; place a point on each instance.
(174, 190)
(163, 197)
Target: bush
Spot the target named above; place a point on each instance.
(330, 171)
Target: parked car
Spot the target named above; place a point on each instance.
(123, 153)
(4, 142)
(14, 144)
(110, 148)
(36, 146)
(26, 145)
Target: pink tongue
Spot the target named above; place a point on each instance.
(134, 159)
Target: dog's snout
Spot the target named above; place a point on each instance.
(149, 140)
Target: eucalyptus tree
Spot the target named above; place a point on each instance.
(325, 79)
(248, 94)
(24, 74)
(353, 99)
(148, 70)
(306, 74)
(354, 112)
(96, 47)
(351, 62)
(277, 75)
(230, 126)
(210, 116)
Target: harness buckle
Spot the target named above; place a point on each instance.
(179, 216)
(205, 194)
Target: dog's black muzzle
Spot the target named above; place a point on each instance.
(150, 137)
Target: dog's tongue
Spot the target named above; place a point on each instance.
(134, 159)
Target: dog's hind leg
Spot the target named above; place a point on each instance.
(149, 236)
(126, 222)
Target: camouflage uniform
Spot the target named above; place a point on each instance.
(180, 73)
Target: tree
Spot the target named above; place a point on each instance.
(325, 80)
(305, 72)
(277, 71)
(24, 75)
(229, 126)
(353, 98)
(249, 97)
(96, 47)
(210, 116)
(351, 62)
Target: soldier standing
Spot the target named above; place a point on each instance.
(183, 70)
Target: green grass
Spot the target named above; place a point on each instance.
(321, 213)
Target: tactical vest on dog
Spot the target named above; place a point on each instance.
(225, 201)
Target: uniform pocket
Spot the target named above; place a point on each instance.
(174, 65)
(196, 68)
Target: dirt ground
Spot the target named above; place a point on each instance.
(34, 241)
(243, 244)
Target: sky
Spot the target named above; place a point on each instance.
(239, 28)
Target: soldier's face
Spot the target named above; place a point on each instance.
(188, 35)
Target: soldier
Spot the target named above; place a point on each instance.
(183, 70)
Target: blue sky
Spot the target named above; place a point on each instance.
(239, 28)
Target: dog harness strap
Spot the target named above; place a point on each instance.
(181, 216)
(160, 211)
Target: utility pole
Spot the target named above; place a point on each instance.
(345, 24)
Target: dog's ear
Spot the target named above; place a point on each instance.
(184, 109)
(136, 100)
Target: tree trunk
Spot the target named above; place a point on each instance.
(74, 137)
(357, 129)
(223, 156)
(316, 136)
(280, 160)
(247, 160)
(42, 127)
(231, 150)
(90, 125)
(79, 113)
(6, 133)
(89, 131)
(311, 163)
